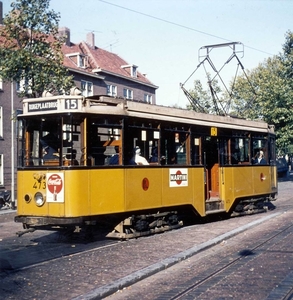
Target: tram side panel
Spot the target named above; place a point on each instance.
(241, 182)
(183, 186)
(143, 188)
(106, 191)
(150, 188)
(74, 193)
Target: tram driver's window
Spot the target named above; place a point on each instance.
(259, 146)
(239, 150)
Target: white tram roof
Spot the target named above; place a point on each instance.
(122, 107)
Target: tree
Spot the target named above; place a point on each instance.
(268, 93)
(207, 100)
(30, 49)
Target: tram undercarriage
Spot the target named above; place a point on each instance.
(253, 206)
(147, 224)
(142, 225)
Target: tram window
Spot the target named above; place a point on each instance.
(145, 137)
(239, 150)
(225, 157)
(40, 142)
(196, 151)
(71, 142)
(104, 143)
(259, 143)
(174, 147)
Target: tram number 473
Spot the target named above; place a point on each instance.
(39, 184)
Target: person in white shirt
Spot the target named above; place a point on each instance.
(137, 159)
(261, 160)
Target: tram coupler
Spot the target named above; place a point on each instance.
(20, 233)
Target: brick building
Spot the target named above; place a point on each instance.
(95, 71)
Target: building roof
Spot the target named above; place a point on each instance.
(99, 61)
(96, 61)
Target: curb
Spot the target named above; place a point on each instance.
(109, 289)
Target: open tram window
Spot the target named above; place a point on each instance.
(142, 143)
(72, 141)
(105, 142)
(259, 148)
(176, 146)
(239, 152)
(40, 142)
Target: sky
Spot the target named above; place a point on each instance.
(163, 37)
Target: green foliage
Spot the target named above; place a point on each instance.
(30, 49)
(268, 94)
(204, 98)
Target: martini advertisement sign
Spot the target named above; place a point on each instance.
(178, 177)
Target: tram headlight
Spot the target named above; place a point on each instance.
(39, 199)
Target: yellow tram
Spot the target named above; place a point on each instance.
(82, 160)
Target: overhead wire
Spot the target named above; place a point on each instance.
(178, 25)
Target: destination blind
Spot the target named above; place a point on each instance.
(43, 106)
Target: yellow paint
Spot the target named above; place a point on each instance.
(239, 182)
(106, 191)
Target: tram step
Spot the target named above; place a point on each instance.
(216, 211)
(214, 204)
(213, 199)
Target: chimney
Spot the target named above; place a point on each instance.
(65, 32)
(90, 39)
(1, 13)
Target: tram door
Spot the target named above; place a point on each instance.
(211, 163)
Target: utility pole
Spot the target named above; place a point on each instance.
(12, 147)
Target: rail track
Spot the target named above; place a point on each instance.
(23, 253)
(213, 275)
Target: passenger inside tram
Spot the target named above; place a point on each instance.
(137, 158)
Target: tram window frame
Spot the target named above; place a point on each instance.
(196, 150)
(105, 141)
(175, 145)
(235, 147)
(272, 150)
(259, 143)
(145, 135)
(34, 138)
(239, 150)
(72, 148)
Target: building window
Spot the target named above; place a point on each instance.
(134, 71)
(1, 84)
(111, 90)
(23, 86)
(148, 98)
(86, 88)
(1, 170)
(82, 61)
(128, 94)
(1, 122)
